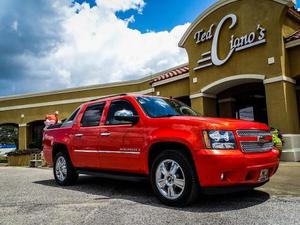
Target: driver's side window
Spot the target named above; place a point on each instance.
(118, 105)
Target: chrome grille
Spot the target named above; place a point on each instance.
(252, 133)
(253, 146)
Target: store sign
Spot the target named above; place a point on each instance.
(246, 114)
(236, 44)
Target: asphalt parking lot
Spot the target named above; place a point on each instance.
(30, 196)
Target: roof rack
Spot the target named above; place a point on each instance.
(107, 96)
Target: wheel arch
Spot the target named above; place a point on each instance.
(159, 147)
(59, 147)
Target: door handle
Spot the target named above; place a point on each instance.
(105, 134)
(78, 135)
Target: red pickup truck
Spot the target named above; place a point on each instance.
(137, 136)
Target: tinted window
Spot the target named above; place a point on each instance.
(92, 115)
(161, 107)
(73, 115)
(116, 106)
(70, 120)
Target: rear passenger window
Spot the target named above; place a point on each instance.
(72, 117)
(92, 115)
(69, 122)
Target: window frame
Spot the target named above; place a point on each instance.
(68, 122)
(135, 112)
(87, 108)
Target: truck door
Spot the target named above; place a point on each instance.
(86, 137)
(121, 142)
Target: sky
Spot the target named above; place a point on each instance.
(52, 45)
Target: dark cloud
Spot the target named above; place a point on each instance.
(26, 28)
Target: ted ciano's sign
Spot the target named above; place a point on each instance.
(236, 44)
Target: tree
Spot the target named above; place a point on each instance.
(9, 134)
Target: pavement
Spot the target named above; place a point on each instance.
(30, 196)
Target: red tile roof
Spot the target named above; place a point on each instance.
(171, 73)
(294, 13)
(294, 36)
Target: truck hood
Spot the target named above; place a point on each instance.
(221, 123)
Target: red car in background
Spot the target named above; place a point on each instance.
(182, 153)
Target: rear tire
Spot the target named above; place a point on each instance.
(173, 179)
(64, 172)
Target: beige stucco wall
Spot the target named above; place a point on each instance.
(274, 17)
(294, 61)
(97, 91)
(282, 107)
(174, 89)
(250, 61)
(38, 112)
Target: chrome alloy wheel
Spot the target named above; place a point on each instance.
(170, 179)
(61, 168)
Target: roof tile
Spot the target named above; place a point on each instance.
(293, 37)
(173, 73)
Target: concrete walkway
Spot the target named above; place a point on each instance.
(286, 181)
(30, 196)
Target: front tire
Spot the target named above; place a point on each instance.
(64, 172)
(173, 178)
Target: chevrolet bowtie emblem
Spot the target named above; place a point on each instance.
(262, 139)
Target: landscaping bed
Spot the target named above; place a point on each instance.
(21, 157)
(3, 159)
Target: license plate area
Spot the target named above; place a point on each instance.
(264, 175)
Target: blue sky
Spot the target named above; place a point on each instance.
(160, 15)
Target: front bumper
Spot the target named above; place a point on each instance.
(229, 189)
(220, 168)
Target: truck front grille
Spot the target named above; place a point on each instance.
(254, 140)
(253, 146)
(252, 133)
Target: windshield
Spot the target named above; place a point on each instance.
(160, 107)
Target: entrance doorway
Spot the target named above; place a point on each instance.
(35, 134)
(247, 102)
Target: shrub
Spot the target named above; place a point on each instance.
(24, 152)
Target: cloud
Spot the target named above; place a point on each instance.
(47, 45)
(122, 5)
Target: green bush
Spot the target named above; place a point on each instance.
(3, 159)
(24, 152)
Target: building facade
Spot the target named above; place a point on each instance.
(243, 62)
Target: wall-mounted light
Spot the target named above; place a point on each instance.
(56, 112)
(22, 115)
(271, 60)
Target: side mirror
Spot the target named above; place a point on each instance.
(126, 115)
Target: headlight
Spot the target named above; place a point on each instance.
(219, 139)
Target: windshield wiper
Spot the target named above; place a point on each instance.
(167, 115)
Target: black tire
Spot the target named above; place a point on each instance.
(71, 174)
(191, 189)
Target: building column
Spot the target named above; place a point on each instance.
(227, 108)
(23, 136)
(204, 104)
(282, 109)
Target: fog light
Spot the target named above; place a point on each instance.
(222, 176)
